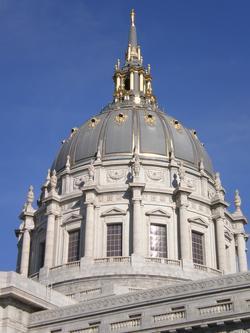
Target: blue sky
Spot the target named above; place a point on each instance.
(56, 65)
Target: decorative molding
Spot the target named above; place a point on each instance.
(114, 211)
(79, 181)
(155, 175)
(158, 212)
(199, 220)
(115, 175)
(144, 297)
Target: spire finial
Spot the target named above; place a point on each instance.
(132, 16)
(237, 201)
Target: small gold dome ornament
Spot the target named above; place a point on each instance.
(93, 122)
(121, 118)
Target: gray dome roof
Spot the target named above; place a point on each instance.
(121, 128)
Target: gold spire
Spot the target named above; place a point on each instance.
(132, 15)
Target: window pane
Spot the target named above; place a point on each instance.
(114, 240)
(197, 248)
(74, 242)
(158, 240)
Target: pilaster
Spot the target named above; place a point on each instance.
(181, 194)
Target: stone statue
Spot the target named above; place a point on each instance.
(182, 174)
(53, 181)
(91, 171)
(217, 182)
(136, 166)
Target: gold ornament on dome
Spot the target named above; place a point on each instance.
(176, 124)
(149, 119)
(120, 118)
(93, 122)
(194, 133)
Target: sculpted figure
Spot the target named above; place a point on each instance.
(136, 165)
(91, 171)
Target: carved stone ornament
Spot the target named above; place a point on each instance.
(116, 175)
(211, 193)
(155, 175)
(191, 183)
(78, 182)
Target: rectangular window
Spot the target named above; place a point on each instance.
(158, 240)
(41, 255)
(114, 240)
(198, 248)
(74, 245)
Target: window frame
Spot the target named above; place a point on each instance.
(121, 238)
(161, 225)
(194, 231)
(70, 232)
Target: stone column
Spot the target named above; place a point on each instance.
(49, 244)
(89, 231)
(25, 255)
(242, 252)
(220, 240)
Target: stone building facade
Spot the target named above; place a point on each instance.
(131, 232)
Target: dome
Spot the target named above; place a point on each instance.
(132, 201)
(121, 128)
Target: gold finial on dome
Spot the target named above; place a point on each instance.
(132, 15)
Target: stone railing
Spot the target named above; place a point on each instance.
(207, 269)
(163, 261)
(93, 329)
(170, 316)
(112, 260)
(125, 324)
(74, 264)
(218, 308)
